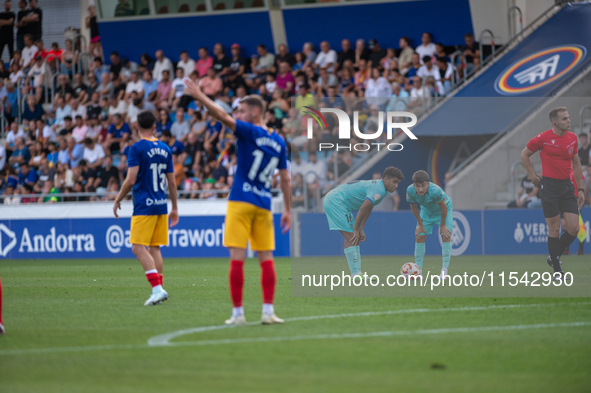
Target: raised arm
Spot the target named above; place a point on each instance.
(215, 110)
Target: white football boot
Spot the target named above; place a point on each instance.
(269, 319)
(157, 298)
(238, 320)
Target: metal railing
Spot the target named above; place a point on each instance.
(581, 111)
(87, 196)
(510, 19)
(492, 43)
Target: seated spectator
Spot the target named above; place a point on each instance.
(46, 192)
(270, 83)
(299, 63)
(427, 47)
(150, 88)
(80, 130)
(362, 75)
(204, 63)
(36, 79)
(213, 131)
(309, 56)
(11, 196)
(37, 154)
(75, 152)
(471, 53)
(419, 97)
(221, 63)
(119, 89)
(105, 173)
(135, 84)
(85, 175)
(62, 153)
(271, 121)
(14, 132)
(95, 130)
(332, 99)
(28, 53)
(440, 49)
(178, 88)
(446, 71)
(77, 108)
(176, 147)
(304, 99)
(11, 103)
(63, 177)
(117, 135)
(326, 58)
(21, 153)
(528, 193)
(27, 175)
(405, 55)
(164, 90)
(94, 106)
(68, 59)
(61, 110)
(46, 132)
(52, 154)
(68, 126)
(162, 63)
(429, 70)
(398, 100)
(146, 63)
(117, 106)
(414, 68)
(106, 88)
(389, 61)
(63, 89)
(378, 89)
(163, 122)
(92, 86)
(93, 154)
(345, 54)
(376, 53)
(325, 80)
(80, 89)
(208, 185)
(211, 84)
(46, 173)
(180, 128)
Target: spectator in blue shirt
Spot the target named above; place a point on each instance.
(27, 175)
(176, 146)
(163, 122)
(99, 69)
(11, 103)
(32, 111)
(75, 152)
(150, 88)
(21, 154)
(117, 135)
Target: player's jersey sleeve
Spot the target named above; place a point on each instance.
(535, 143)
(134, 156)
(374, 192)
(410, 194)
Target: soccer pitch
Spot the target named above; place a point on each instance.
(80, 326)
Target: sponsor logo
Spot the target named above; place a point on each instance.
(116, 238)
(460, 234)
(54, 242)
(536, 232)
(391, 121)
(539, 69)
(377, 197)
(247, 187)
(570, 150)
(157, 202)
(5, 247)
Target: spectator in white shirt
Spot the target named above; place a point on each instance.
(49, 134)
(37, 73)
(186, 63)
(427, 48)
(135, 84)
(327, 57)
(162, 63)
(429, 70)
(266, 59)
(93, 154)
(28, 52)
(446, 71)
(15, 132)
(419, 97)
(62, 110)
(378, 89)
(77, 108)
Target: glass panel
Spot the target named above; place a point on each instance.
(122, 8)
(179, 6)
(236, 4)
(297, 2)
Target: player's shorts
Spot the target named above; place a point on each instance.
(430, 220)
(339, 217)
(558, 196)
(149, 230)
(249, 222)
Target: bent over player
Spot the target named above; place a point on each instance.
(360, 195)
(436, 208)
(150, 173)
(558, 149)
(259, 152)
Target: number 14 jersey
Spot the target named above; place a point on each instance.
(154, 159)
(259, 152)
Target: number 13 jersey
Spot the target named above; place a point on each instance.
(154, 159)
(259, 152)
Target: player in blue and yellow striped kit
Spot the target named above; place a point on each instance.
(150, 173)
(259, 152)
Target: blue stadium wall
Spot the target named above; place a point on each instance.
(447, 20)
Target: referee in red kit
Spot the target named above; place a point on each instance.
(558, 151)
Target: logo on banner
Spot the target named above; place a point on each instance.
(460, 234)
(5, 248)
(116, 239)
(539, 69)
(533, 232)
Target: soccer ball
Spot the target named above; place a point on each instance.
(410, 269)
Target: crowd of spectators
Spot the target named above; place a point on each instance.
(77, 139)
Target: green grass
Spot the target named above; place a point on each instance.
(87, 303)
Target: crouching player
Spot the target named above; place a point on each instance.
(150, 173)
(436, 208)
(360, 195)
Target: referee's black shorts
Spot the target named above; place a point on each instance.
(558, 196)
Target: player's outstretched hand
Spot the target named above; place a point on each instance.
(116, 206)
(285, 222)
(174, 217)
(193, 88)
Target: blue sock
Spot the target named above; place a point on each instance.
(446, 253)
(353, 260)
(419, 254)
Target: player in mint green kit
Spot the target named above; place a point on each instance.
(436, 208)
(362, 195)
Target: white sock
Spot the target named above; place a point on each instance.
(237, 311)
(157, 288)
(268, 309)
(151, 271)
(444, 271)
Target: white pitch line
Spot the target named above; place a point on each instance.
(164, 339)
(159, 341)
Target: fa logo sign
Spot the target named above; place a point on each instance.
(539, 69)
(460, 234)
(345, 128)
